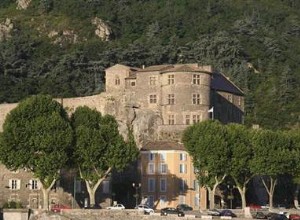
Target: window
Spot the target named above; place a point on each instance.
(78, 186)
(230, 97)
(182, 156)
(151, 168)
(151, 185)
(196, 79)
(171, 99)
(182, 168)
(196, 99)
(171, 79)
(187, 119)
(14, 184)
(240, 101)
(132, 83)
(196, 119)
(151, 156)
(183, 185)
(152, 80)
(105, 186)
(163, 184)
(171, 120)
(196, 185)
(163, 168)
(153, 99)
(163, 156)
(117, 81)
(33, 184)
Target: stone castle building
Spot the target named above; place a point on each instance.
(159, 102)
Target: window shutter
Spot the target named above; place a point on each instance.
(10, 183)
(39, 184)
(18, 184)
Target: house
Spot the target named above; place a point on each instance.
(168, 177)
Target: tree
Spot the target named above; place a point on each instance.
(37, 136)
(206, 143)
(273, 156)
(99, 148)
(240, 144)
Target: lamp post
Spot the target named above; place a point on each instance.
(136, 186)
(230, 197)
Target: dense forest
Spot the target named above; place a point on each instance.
(256, 43)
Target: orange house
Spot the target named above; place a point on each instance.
(168, 177)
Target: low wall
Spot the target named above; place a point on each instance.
(16, 214)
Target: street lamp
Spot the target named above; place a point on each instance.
(136, 186)
(230, 197)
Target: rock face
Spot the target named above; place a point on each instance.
(23, 4)
(103, 31)
(5, 29)
(66, 36)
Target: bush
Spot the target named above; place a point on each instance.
(12, 205)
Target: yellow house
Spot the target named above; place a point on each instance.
(168, 177)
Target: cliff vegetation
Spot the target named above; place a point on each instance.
(61, 47)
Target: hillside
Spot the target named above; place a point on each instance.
(50, 46)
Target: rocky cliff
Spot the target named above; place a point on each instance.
(145, 123)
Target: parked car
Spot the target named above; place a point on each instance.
(59, 207)
(168, 210)
(276, 216)
(227, 212)
(184, 207)
(213, 212)
(294, 217)
(254, 206)
(116, 207)
(260, 215)
(146, 209)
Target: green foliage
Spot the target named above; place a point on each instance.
(227, 34)
(206, 142)
(239, 140)
(99, 146)
(12, 205)
(273, 153)
(36, 136)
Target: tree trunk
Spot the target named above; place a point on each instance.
(270, 190)
(211, 197)
(46, 192)
(296, 201)
(242, 192)
(92, 191)
(46, 198)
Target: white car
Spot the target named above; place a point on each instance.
(116, 207)
(146, 209)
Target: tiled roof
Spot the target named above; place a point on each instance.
(162, 145)
(192, 67)
(157, 68)
(222, 83)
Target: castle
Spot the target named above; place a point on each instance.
(159, 102)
